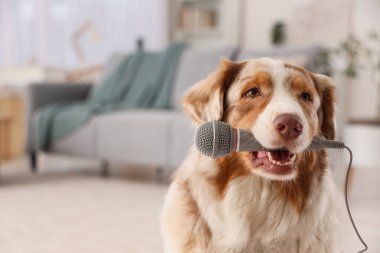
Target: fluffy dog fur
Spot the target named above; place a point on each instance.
(226, 205)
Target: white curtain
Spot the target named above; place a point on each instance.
(42, 30)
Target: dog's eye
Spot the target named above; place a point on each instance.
(306, 96)
(254, 92)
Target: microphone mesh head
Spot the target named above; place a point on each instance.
(204, 139)
(223, 147)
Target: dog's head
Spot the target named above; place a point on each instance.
(282, 104)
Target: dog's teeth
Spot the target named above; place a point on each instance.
(279, 163)
(270, 157)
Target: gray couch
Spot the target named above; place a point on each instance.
(158, 138)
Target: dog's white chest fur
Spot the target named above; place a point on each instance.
(251, 217)
(260, 221)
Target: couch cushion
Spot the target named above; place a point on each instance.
(136, 136)
(182, 136)
(79, 142)
(195, 65)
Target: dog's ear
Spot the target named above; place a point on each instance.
(326, 112)
(205, 100)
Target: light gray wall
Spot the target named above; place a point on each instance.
(42, 30)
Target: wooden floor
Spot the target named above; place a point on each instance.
(68, 207)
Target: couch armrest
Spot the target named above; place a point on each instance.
(42, 94)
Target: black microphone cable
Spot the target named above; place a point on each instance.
(346, 201)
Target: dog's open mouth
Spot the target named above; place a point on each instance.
(274, 162)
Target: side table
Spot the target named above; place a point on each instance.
(5, 137)
(12, 107)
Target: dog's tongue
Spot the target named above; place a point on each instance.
(261, 154)
(276, 155)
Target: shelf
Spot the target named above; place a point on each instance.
(369, 122)
(199, 1)
(194, 19)
(204, 33)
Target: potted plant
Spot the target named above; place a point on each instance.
(361, 60)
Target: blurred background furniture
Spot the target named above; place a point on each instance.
(143, 136)
(13, 124)
(196, 19)
(149, 137)
(5, 152)
(22, 74)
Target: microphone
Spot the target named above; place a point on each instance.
(217, 138)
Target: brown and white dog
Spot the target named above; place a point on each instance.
(257, 201)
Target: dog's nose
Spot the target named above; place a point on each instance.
(288, 126)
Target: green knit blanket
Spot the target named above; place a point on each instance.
(140, 80)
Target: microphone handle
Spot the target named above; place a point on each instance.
(320, 143)
(244, 140)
